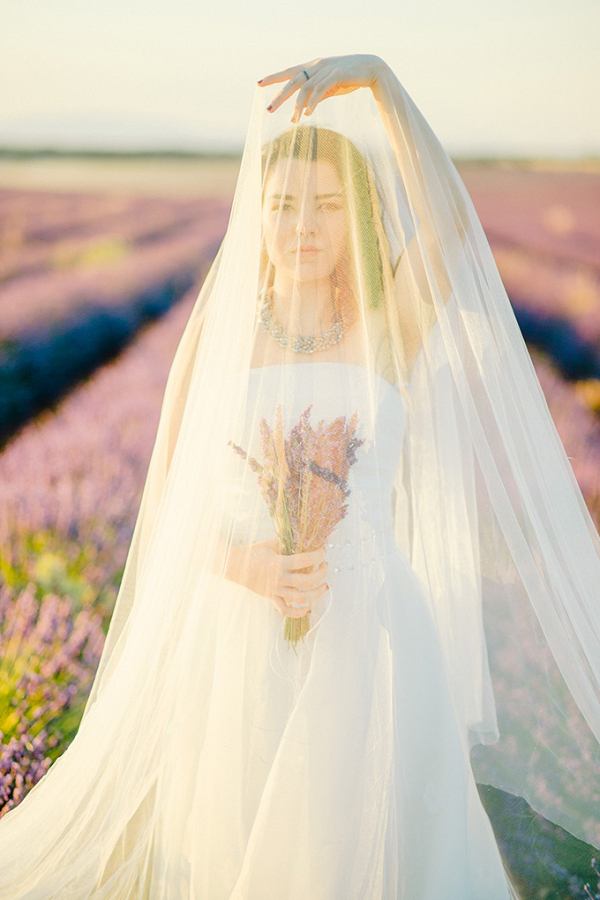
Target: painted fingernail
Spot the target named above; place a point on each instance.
(269, 107)
(259, 81)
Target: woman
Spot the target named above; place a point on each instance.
(355, 493)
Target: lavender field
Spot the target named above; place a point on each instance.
(80, 274)
(544, 230)
(73, 469)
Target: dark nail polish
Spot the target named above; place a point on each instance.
(269, 106)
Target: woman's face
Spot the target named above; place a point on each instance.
(304, 218)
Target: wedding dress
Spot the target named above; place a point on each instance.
(219, 754)
(365, 703)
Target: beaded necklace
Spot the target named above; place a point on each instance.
(301, 343)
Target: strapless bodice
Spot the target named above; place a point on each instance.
(330, 390)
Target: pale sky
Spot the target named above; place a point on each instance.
(506, 77)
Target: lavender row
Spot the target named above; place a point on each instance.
(71, 480)
(78, 471)
(551, 214)
(557, 304)
(544, 231)
(44, 230)
(33, 301)
(81, 319)
(50, 653)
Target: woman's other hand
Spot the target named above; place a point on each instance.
(264, 569)
(328, 77)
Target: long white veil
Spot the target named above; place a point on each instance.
(485, 507)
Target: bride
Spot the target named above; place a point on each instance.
(362, 578)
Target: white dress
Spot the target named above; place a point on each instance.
(336, 774)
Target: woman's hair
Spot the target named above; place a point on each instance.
(311, 143)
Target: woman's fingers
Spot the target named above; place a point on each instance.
(325, 82)
(285, 610)
(293, 595)
(305, 581)
(284, 75)
(302, 99)
(318, 89)
(321, 90)
(312, 91)
(328, 76)
(298, 81)
(303, 560)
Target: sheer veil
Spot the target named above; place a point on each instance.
(484, 506)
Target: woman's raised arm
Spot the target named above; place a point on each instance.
(335, 75)
(424, 270)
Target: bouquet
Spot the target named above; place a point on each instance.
(304, 483)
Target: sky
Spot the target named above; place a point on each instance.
(492, 77)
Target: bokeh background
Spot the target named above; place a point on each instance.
(121, 128)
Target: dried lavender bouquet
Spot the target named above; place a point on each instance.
(304, 483)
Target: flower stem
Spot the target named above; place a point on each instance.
(296, 628)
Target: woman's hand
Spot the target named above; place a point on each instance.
(262, 568)
(327, 77)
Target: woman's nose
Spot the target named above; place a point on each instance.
(307, 223)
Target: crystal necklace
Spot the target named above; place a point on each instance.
(300, 343)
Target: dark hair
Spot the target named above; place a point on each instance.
(311, 143)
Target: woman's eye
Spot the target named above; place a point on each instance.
(287, 207)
